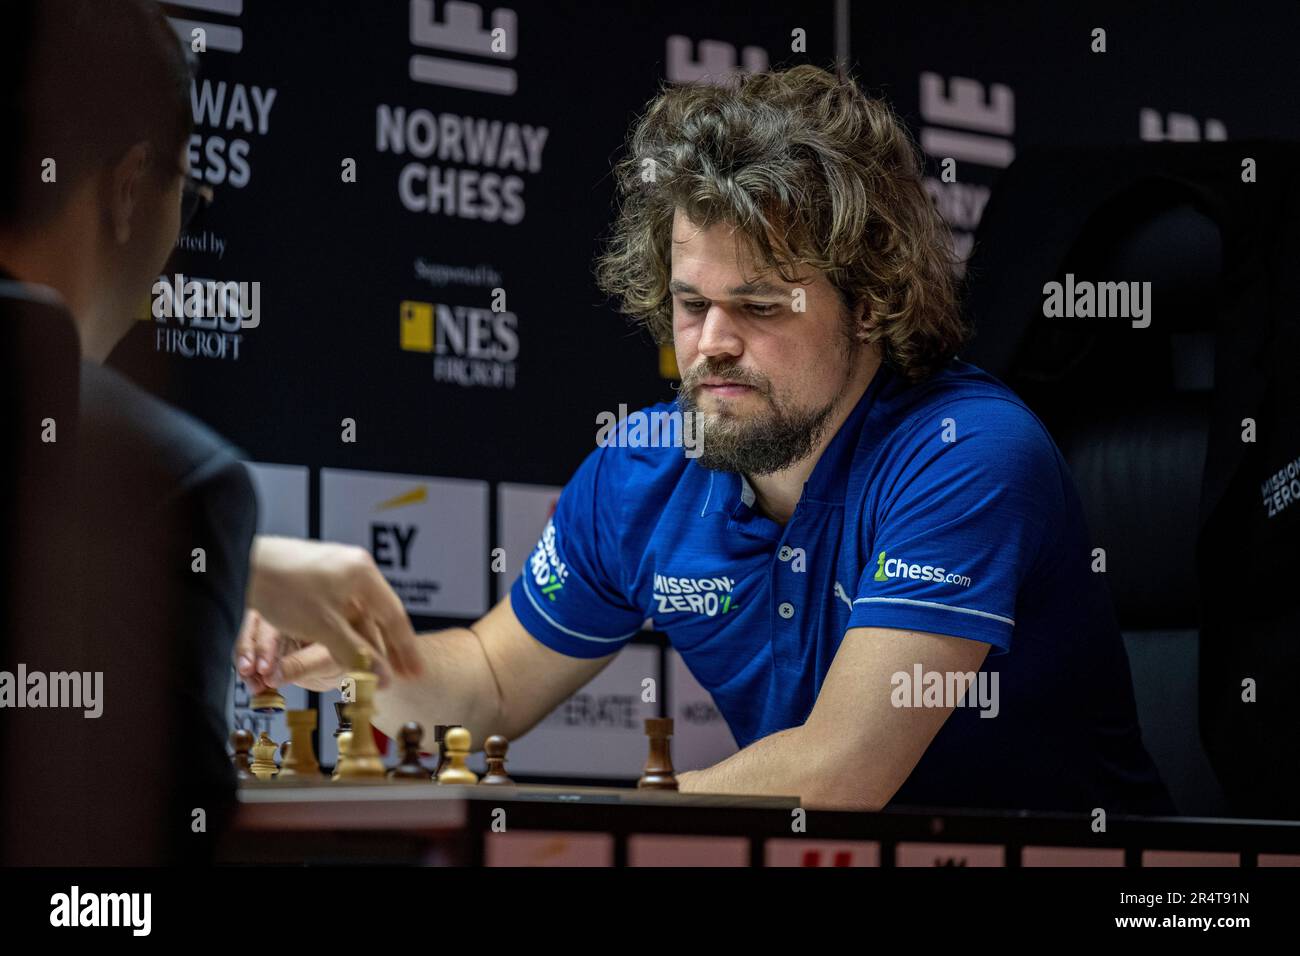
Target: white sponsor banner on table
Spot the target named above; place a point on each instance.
(600, 730)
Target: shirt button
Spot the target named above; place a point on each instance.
(786, 610)
(786, 553)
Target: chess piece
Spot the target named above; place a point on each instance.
(297, 757)
(658, 773)
(439, 736)
(342, 730)
(268, 702)
(264, 767)
(363, 756)
(344, 741)
(242, 742)
(495, 748)
(410, 768)
(457, 744)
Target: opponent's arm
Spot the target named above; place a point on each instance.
(492, 677)
(855, 749)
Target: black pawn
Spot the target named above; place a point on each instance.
(242, 742)
(439, 735)
(495, 750)
(345, 723)
(410, 768)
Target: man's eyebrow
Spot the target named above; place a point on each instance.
(748, 288)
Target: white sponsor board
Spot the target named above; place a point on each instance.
(427, 535)
(281, 498)
(949, 854)
(792, 852)
(522, 513)
(664, 850)
(701, 737)
(599, 731)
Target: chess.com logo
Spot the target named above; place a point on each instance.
(888, 569)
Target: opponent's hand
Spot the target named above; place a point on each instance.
(332, 595)
(266, 658)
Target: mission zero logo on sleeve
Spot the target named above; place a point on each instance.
(549, 572)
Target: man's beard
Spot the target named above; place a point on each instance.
(757, 445)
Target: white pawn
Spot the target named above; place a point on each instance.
(457, 743)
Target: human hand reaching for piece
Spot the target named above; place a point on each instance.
(333, 601)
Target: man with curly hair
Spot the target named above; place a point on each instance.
(877, 563)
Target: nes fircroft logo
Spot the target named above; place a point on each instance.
(471, 346)
(888, 568)
(203, 317)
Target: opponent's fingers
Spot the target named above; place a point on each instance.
(266, 648)
(311, 666)
(398, 636)
(245, 650)
(372, 635)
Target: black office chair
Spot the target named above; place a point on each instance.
(1129, 409)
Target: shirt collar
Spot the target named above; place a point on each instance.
(830, 475)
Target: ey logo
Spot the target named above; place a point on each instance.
(390, 544)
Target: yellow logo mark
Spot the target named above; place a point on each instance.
(417, 326)
(412, 497)
(668, 362)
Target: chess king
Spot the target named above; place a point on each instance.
(777, 234)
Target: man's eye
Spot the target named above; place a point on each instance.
(755, 308)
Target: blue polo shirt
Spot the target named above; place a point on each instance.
(942, 507)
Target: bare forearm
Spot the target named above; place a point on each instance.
(456, 687)
(781, 764)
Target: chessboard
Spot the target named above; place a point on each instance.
(438, 797)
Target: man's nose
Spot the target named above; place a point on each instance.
(719, 335)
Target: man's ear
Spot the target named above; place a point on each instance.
(126, 187)
(860, 327)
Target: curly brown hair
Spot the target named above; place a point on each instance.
(812, 172)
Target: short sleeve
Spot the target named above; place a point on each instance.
(961, 523)
(570, 594)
